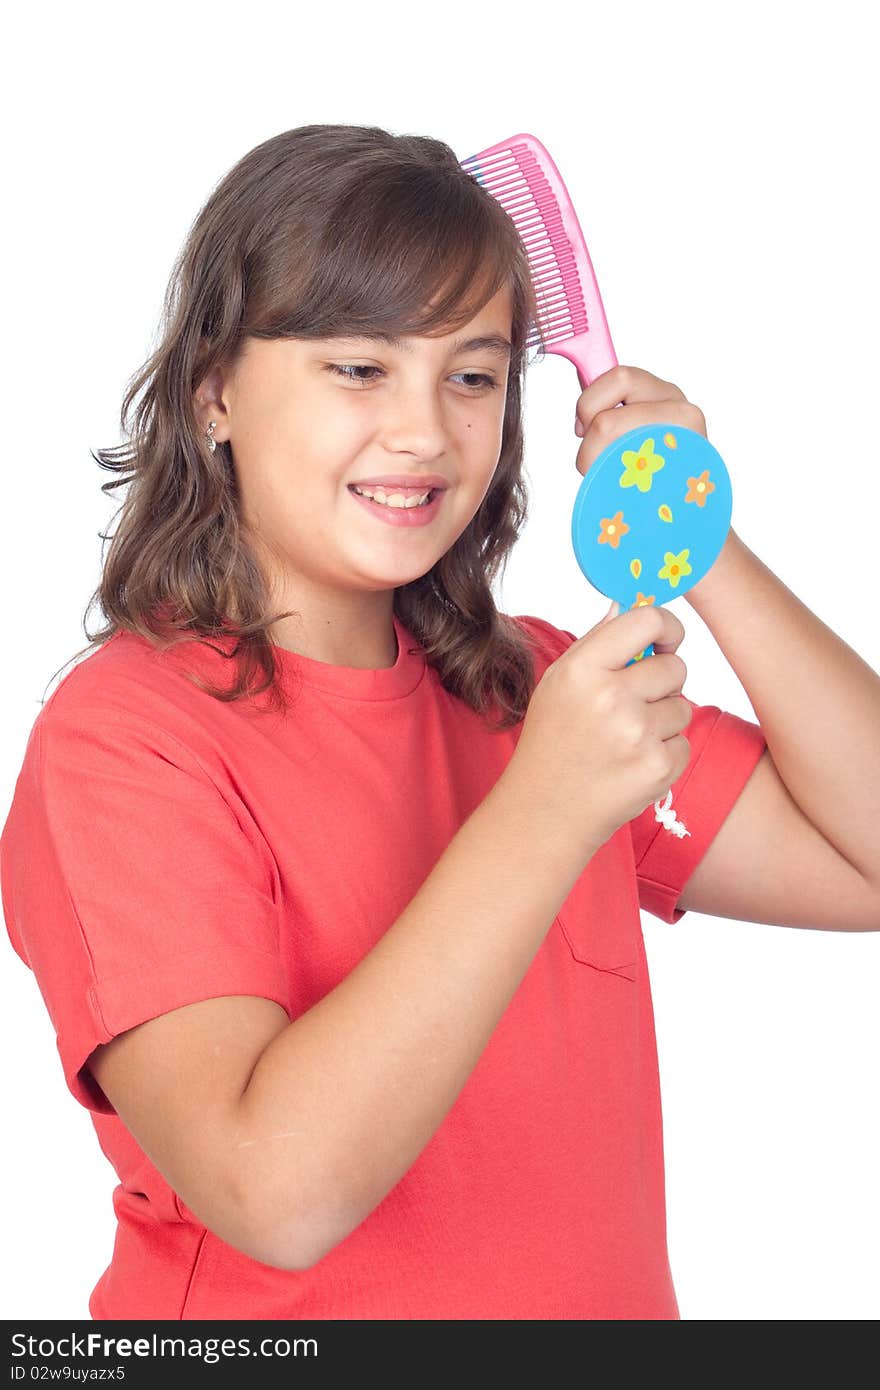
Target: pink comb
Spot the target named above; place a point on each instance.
(520, 174)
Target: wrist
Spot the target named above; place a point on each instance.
(543, 826)
(717, 575)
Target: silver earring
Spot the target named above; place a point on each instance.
(212, 443)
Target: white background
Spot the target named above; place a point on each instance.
(724, 170)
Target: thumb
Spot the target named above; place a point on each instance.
(606, 617)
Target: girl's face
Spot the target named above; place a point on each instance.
(306, 419)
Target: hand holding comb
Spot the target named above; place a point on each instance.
(653, 511)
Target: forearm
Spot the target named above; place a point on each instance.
(817, 701)
(343, 1100)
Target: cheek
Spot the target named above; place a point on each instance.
(280, 493)
(485, 431)
(480, 478)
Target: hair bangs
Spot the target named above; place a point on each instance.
(404, 251)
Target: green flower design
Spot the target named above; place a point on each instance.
(676, 567)
(640, 465)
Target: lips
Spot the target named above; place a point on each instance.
(401, 516)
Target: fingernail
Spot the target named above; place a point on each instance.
(578, 429)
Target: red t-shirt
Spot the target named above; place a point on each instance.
(164, 847)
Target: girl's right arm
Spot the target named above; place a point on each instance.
(283, 1136)
(344, 1099)
(312, 1122)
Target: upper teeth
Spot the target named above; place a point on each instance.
(393, 499)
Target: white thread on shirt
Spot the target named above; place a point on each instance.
(668, 819)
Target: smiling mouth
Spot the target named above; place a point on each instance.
(403, 499)
(406, 514)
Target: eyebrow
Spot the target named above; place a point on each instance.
(494, 343)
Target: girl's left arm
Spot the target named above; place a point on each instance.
(817, 701)
(801, 845)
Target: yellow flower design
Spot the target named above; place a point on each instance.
(675, 567)
(640, 465)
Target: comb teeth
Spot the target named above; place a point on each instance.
(516, 180)
(522, 177)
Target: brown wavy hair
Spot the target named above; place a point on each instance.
(321, 230)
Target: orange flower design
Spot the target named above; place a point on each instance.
(612, 528)
(699, 488)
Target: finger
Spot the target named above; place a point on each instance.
(673, 639)
(610, 424)
(622, 385)
(671, 627)
(658, 627)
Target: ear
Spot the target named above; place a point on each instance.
(208, 401)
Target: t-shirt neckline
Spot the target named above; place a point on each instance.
(354, 682)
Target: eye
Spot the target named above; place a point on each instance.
(482, 379)
(344, 369)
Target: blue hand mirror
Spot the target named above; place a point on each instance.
(651, 516)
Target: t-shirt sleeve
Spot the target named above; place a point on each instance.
(132, 883)
(725, 750)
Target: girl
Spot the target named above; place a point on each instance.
(330, 873)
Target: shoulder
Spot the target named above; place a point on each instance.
(127, 685)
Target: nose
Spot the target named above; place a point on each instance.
(415, 422)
